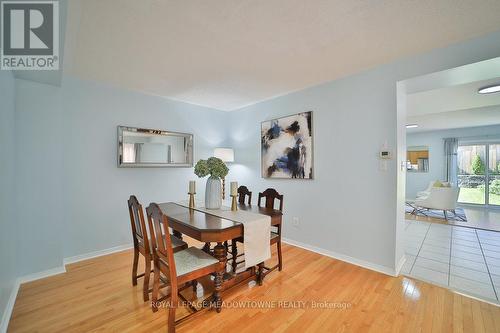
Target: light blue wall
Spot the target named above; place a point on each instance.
(350, 207)
(95, 189)
(8, 231)
(68, 195)
(39, 167)
(67, 162)
(418, 181)
(338, 211)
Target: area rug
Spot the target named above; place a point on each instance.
(459, 215)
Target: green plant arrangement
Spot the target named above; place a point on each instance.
(213, 167)
(217, 169)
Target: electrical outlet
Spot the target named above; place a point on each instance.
(295, 222)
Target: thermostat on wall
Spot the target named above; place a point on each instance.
(385, 155)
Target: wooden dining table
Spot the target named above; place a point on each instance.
(208, 228)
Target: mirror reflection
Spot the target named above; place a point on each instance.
(417, 159)
(139, 147)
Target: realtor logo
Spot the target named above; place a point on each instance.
(30, 35)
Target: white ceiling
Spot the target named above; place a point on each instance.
(450, 99)
(478, 71)
(456, 119)
(227, 54)
(454, 98)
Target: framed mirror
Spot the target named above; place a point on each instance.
(143, 147)
(417, 159)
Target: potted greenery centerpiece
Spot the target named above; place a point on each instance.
(217, 170)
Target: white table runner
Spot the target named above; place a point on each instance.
(256, 231)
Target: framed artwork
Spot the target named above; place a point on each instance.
(287, 147)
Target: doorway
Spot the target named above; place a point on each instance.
(451, 141)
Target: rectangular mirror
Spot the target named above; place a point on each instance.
(142, 147)
(417, 159)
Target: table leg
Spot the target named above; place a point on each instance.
(234, 252)
(206, 248)
(221, 255)
(260, 274)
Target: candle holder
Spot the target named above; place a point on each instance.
(234, 206)
(191, 200)
(223, 188)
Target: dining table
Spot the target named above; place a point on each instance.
(207, 228)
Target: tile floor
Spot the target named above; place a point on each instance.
(464, 259)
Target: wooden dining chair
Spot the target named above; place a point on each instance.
(270, 195)
(243, 193)
(180, 268)
(142, 244)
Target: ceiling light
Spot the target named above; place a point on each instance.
(411, 126)
(490, 89)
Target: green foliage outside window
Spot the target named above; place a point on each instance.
(478, 165)
(495, 186)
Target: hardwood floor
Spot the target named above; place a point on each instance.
(97, 296)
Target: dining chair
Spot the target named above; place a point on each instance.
(180, 268)
(243, 193)
(270, 195)
(142, 244)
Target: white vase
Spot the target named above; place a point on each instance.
(213, 193)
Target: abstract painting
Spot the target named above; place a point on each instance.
(286, 147)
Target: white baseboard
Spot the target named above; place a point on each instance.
(343, 257)
(95, 254)
(400, 264)
(41, 275)
(15, 289)
(9, 307)
(53, 271)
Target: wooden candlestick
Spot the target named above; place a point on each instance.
(191, 200)
(234, 206)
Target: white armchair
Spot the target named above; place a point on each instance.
(427, 191)
(440, 198)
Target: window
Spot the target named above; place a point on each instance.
(479, 174)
